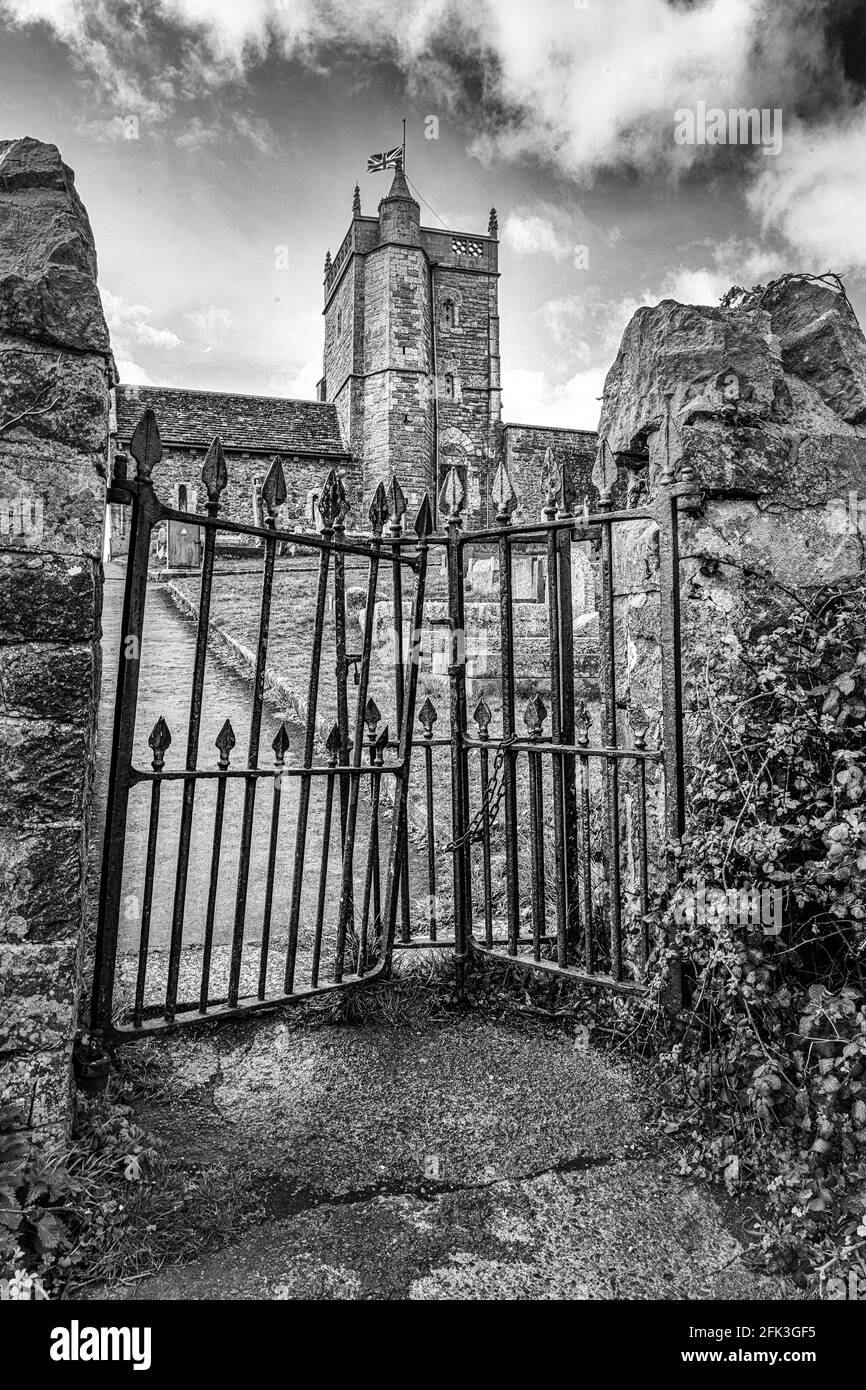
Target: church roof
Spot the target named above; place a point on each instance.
(267, 423)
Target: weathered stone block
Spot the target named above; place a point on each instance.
(38, 995)
(821, 343)
(43, 771)
(41, 883)
(47, 257)
(50, 680)
(46, 595)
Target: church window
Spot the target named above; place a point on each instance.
(449, 386)
(449, 314)
(462, 246)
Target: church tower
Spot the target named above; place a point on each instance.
(412, 349)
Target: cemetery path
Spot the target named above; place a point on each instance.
(448, 1157)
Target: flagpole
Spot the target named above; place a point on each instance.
(404, 144)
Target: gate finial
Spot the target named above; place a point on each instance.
(482, 717)
(534, 716)
(503, 495)
(424, 519)
(280, 744)
(452, 495)
(333, 742)
(225, 742)
(378, 509)
(427, 717)
(371, 715)
(551, 481)
(329, 501)
(159, 740)
(398, 503)
(274, 490)
(146, 445)
(214, 473)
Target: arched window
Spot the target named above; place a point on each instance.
(449, 386)
(449, 314)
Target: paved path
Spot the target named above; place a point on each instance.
(164, 689)
(462, 1158)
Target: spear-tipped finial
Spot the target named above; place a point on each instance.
(551, 481)
(356, 202)
(397, 500)
(379, 509)
(424, 520)
(225, 742)
(329, 501)
(482, 717)
(274, 491)
(371, 715)
(452, 495)
(332, 744)
(427, 717)
(280, 744)
(380, 745)
(637, 718)
(341, 502)
(159, 740)
(328, 261)
(503, 495)
(214, 473)
(534, 715)
(605, 473)
(583, 720)
(146, 445)
(493, 224)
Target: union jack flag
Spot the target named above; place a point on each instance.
(389, 159)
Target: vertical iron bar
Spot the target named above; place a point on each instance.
(432, 914)
(145, 511)
(506, 657)
(252, 762)
(309, 744)
(341, 668)
(159, 740)
(189, 783)
(484, 761)
(399, 506)
(672, 697)
(564, 544)
(423, 527)
(457, 693)
(611, 768)
(559, 844)
(347, 886)
(225, 743)
(643, 867)
(585, 842)
(333, 746)
(280, 745)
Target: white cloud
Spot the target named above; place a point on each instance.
(130, 327)
(529, 234)
(212, 323)
(531, 397)
(815, 193)
(131, 374)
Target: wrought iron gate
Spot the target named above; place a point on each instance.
(553, 841)
(362, 931)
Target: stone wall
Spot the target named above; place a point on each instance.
(54, 406)
(573, 451)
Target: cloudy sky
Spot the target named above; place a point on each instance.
(216, 144)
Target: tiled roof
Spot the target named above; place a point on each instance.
(242, 422)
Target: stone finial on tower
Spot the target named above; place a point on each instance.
(356, 202)
(327, 262)
(493, 224)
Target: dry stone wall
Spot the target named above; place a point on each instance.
(55, 375)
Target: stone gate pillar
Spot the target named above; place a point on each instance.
(55, 373)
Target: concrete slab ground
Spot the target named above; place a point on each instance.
(458, 1157)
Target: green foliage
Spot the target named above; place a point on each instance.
(56, 1204)
(767, 1082)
